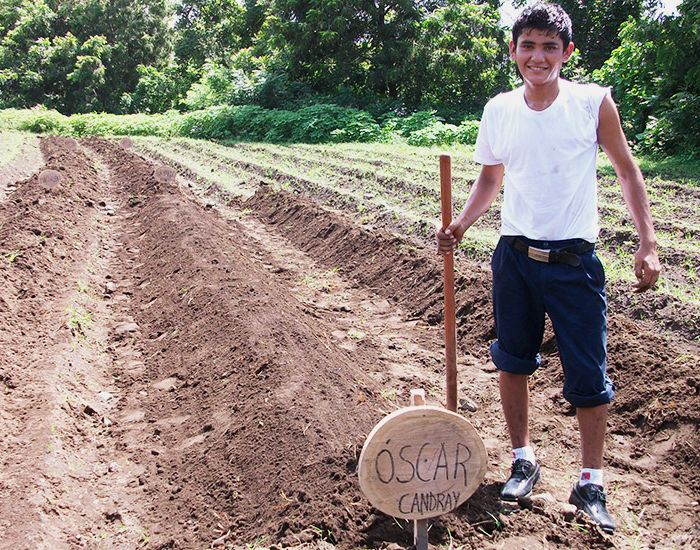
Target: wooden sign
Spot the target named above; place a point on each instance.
(420, 462)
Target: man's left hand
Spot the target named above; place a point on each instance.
(646, 268)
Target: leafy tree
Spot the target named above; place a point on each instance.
(596, 24)
(655, 75)
(208, 30)
(159, 90)
(254, 15)
(393, 27)
(320, 42)
(461, 58)
(222, 85)
(138, 32)
(78, 56)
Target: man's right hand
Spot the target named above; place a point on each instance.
(448, 238)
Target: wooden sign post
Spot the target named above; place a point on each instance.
(420, 462)
(449, 285)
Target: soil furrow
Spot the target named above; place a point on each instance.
(62, 475)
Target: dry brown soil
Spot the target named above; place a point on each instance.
(183, 371)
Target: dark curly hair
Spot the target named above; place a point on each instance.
(548, 17)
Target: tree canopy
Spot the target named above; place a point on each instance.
(78, 56)
(379, 55)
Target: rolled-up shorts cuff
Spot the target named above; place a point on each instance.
(602, 398)
(510, 363)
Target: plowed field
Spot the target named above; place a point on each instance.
(195, 361)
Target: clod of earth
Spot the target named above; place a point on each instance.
(105, 395)
(166, 384)
(165, 174)
(50, 178)
(125, 328)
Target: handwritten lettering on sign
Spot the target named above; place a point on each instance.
(421, 462)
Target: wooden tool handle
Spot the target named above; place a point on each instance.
(449, 284)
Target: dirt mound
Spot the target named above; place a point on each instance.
(48, 446)
(654, 373)
(231, 351)
(392, 266)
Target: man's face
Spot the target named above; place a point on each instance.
(539, 56)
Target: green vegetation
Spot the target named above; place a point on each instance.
(12, 142)
(78, 56)
(685, 168)
(11, 256)
(655, 75)
(355, 64)
(314, 124)
(79, 320)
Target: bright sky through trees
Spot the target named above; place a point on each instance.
(509, 13)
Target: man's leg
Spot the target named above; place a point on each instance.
(577, 309)
(592, 423)
(515, 400)
(588, 494)
(519, 315)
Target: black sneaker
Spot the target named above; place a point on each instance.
(523, 476)
(591, 499)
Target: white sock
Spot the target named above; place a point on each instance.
(589, 475)
(524, 452)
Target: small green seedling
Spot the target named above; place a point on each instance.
(12, 256)
(78, 320)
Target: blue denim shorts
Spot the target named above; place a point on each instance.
(573, 297)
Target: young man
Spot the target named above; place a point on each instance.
(542, 138)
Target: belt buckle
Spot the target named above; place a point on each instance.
(538, 254)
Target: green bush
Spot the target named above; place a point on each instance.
(282, 125)
(319, 122)
(13, 119)
(315, 124)
(45, 122)
(439, 133)
(221, 85)
(158, 89)
(676, 130)
(467, 132)
(420, 120)
(102, 124)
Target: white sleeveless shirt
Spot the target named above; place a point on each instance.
(550, 189)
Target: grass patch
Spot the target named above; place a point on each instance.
(12, 145)
(681, 167)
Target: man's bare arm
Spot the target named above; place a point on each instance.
(612, 140)
(483, 193)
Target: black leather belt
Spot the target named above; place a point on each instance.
(568, 255)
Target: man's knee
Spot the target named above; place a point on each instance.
(506, 362)
(590, 398)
